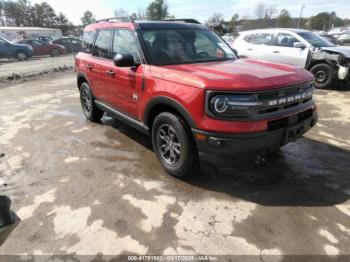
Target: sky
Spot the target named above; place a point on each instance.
(198, 9)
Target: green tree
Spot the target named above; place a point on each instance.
(284, 19)
(325, 21)
(88, 18)
(157, 10)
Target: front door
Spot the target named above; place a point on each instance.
(285, 52)
(124, 84)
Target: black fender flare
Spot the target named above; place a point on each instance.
(164, 100)
(84, 76)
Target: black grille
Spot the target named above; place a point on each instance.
(284, 122)
(283, 93)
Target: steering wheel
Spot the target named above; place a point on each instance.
(203, 54)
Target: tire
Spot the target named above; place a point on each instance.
(87, 100)
(21, 55)
(324, 76)
(55, 52)
(169, 130)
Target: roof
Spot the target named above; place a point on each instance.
(144, 25)
(295, 30)
(26, 28)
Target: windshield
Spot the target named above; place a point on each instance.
(3, 40)
(315, 40)
(166, 47)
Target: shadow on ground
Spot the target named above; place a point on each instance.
(305, 173)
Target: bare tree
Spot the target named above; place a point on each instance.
(121, 13)
(264, 14)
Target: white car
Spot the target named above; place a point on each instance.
(297, 47)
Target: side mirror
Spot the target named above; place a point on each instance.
(299, 45)
(124, 60)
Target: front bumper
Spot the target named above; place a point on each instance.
(224, 150)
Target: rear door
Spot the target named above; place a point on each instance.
(99, 63)
(284, 51)
(258, 45)
(38, 47)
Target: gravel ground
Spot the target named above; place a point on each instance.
(97, 189)
(34, 66)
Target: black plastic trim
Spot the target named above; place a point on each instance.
(224, 150)
(169, 102)
(123, 117)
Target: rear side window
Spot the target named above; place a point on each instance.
(88, 40)
(259, 39)
(102, 44)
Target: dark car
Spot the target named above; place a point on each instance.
(184, 86)
(72, 45)
(19, 51)
(45, 38)
(42, 48)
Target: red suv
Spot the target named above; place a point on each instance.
(185, 87)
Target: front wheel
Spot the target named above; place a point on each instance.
(21, 55)
(173, 145)
(324, 75)
(90, 110)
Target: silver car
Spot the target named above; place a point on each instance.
(298, 47)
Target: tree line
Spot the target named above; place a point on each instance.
(156, 10)
(23, 13)
(266, 16)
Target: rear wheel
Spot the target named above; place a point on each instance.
(90, 110)
(324, 75)
(173, 145)
(55, 52)
(21, 55)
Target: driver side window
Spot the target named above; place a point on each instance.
(124, 42)
(286, 40)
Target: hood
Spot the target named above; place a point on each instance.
(23, 46)
(344, 50)
(240, 75)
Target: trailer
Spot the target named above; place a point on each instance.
(20, 33)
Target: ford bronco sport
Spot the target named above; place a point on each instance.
(185, 87)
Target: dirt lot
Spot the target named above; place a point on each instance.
(83, 188)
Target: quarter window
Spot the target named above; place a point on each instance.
(124, 42)
(88, 40)
(102, 43)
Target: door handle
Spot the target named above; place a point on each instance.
(276, 52)
(89, 66)
(250, 49)
(110, 73)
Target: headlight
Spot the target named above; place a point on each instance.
(235, 105)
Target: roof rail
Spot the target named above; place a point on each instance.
(124, 19)
(186, 20)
